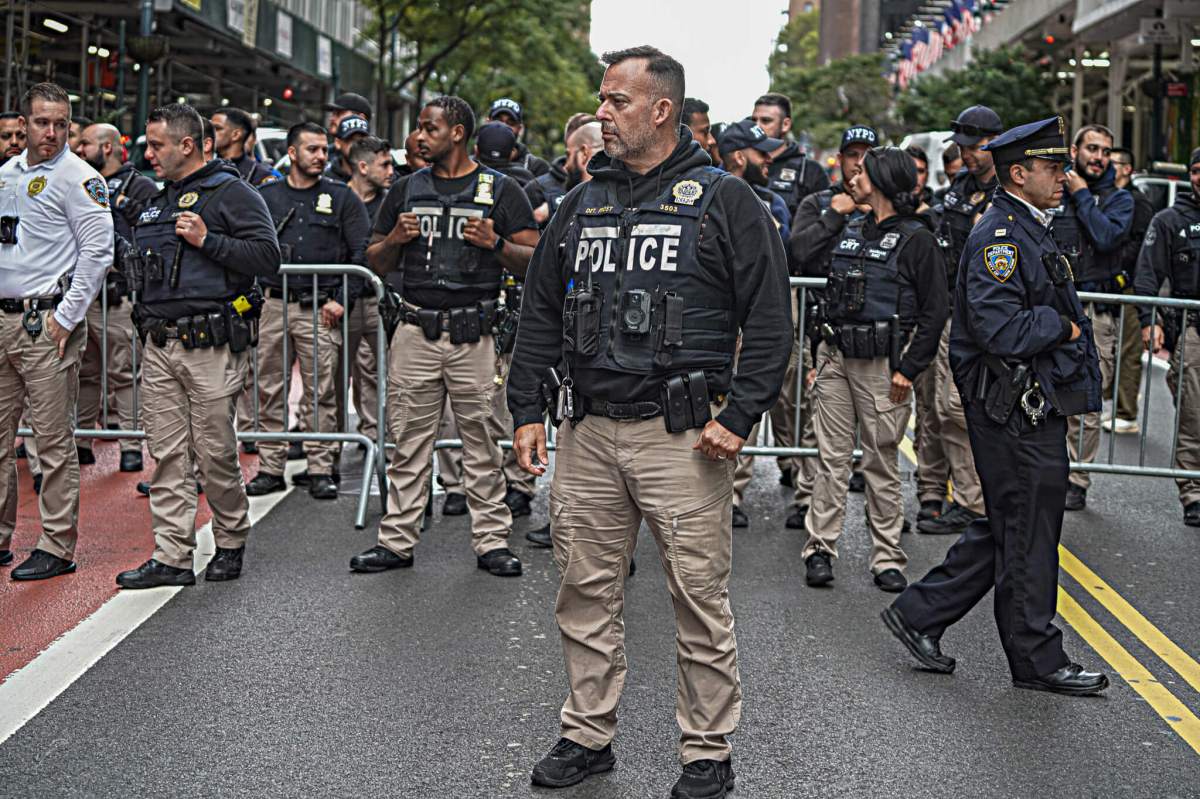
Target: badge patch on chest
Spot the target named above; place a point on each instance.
(35, 186)
(686, 192)
(787, 175)
(324, 204)
(189, 199)
(484, 189)
(889, 241)
(977, 197)
(1001, 260)
(97, 189)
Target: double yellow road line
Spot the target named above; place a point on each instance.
(1166, 704)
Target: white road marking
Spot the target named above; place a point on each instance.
(31, 688)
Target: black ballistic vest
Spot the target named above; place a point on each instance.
(875, 263)
(439, 258)
(312, 233)
(651, 252)
(1185, 257)
(1088, 265)
(200, 277)
(958, 212)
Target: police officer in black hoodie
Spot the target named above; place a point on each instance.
(636, 295)
(793, 175)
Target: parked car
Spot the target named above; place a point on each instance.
(1162, 183)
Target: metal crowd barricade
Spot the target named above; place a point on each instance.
(373, 462)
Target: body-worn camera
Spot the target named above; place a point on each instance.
(854, 291)
(8, 228)
(635, 312)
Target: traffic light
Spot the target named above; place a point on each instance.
(288, 93)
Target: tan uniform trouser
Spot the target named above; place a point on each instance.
(933, 468)
(1105, 327)
(1131, 364)
(850, 391)
(33, 367)
(421, 374)
(1188, 454)
(272, 405)
(952, 427)
(608, 476)
(120, 372)
(362, 335)
(190, 398)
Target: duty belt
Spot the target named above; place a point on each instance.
(622, 410)
(31, 304)
(304, 298)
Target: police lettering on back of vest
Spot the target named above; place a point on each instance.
(440, 257)
(641, 300)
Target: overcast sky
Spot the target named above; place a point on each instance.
(726, 63)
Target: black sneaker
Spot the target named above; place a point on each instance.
(152, 574)
(1076, 498)
(500, 562)
(952, 522)
(858, 483)
(795, 519)
(519, 503)
(454, 504)
(225, 565)
(1191, 515)
(740, 519)
(818, 569)
(891, 580)
(704, 779)
(265, 483)
(86, 456)
(131, 461)
(540, 537)
(568, 763)
(930, 509)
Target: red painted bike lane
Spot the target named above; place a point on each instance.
(114, 535)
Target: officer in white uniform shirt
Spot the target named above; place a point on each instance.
(56, 243)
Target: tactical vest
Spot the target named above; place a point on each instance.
(200, 277)
(1088, 265)
(553, 191)
(440, 258)
(1185, 257)
(642, 266)
(864, 278)
(309, 231)
(958, 212)
(824, 203)
(789, 183)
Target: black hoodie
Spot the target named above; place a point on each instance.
(739, 240)
(527, 160)
(1163, 241)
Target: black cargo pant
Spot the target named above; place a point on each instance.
(1023, 470)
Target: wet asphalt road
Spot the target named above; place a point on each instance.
(304, 680)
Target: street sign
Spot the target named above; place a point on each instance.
(1175, 89)
(1155, 30)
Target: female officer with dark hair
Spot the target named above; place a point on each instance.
(885, 308)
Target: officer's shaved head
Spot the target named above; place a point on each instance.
(589, 136)
(104, 133)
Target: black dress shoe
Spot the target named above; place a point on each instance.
(37, 483)
(152, 574)
(304, 479)
(6, 557)
(41, 565)
(86, 456)
(379, 559)
(322, 487)
(952, 522)
(250, 447)
(131, 461)
(891, 580)
(264, 483)
(1076, 498)
(225, 565)
(569, 763)
(740, 519)
(454, 504)
(143, 488)
(704, 779)
(818, 569)
(930, 509)
(795, 519)
(500, 562)
(858, 483)
(519, 503)
(925, 648)
(540, 537)
(296, 451)
(1191, 515)
(787, 477)
(1070, 680)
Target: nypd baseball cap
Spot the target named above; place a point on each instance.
(747, 133)
(495, 141)
(350, 101)
(352, 126)
(505, 106)
(859, 134)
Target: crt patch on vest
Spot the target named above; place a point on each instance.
(1001, 260)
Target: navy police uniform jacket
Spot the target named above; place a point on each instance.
(1008, 305)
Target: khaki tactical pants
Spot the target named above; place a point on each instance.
(361, 333)
(120, 372)
(190, 399)
(1188, 454)
(933, 468)
(272, 405)
(952, 427)
(850, 391)
(421, 374)
(1105, 328)
(32, 366)
(1131, 364)
(608, 476)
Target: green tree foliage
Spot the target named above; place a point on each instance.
(797, 46)
(1007, 80)
(827, 99)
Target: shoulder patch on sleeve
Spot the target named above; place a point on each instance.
(1151, 237)
(97, 189)
(1001, 260)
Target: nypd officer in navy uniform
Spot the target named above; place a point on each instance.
(199, 245)
(1024, 360)
(639, 288)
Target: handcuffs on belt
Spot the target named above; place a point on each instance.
(1033, 403)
